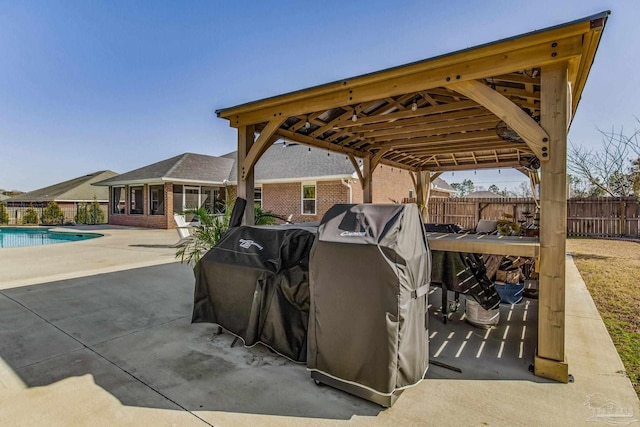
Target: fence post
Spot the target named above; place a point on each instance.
(623, 218)
(477, 214)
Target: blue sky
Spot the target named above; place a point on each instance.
(87, 86)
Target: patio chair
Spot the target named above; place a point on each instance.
(485, 226)
(184, 231)
(451, 271)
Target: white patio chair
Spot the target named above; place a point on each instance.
(184, 231)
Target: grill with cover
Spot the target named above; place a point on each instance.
(369, 277)
(255, 284)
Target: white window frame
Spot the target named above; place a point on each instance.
(184, 195)
(151, 200)
(302, 198)
(256, 190)
(123, 190)
(132, 201)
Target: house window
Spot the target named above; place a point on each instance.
(411, 194)
(208, 198)
(191, 198)
(308, 198)
(177, 199)
(117, 200)
(156, 199)
(257, 196)
(136, 206)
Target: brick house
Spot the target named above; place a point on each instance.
(68, 195)
(292, 181)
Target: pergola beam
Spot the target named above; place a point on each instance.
(436, 120)
(468, 166)
(427, 129)
(356, 167)
(435, 111)
(463, 148)
(265, 140)
(511, 114)
(426, 141)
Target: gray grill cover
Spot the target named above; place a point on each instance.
(369, 274)
(255, 284)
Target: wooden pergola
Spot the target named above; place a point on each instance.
(503, 104)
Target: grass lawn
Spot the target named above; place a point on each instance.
(611, 271)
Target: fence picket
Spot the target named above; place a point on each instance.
(586, 217)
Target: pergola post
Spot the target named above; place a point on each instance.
(367, 175)
(246, 184)
(423, 190)
(550, 361)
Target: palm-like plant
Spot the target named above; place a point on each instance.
(211, 229)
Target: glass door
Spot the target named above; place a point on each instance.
(191, 199)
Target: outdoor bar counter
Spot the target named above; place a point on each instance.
(484, 244)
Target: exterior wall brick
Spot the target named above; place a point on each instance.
(391, 185)
(145, 220)
(285, 199)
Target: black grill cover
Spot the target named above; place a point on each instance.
(370, 270)
(254, 283)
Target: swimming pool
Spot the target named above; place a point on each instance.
(16, 237)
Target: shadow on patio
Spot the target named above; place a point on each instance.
(131, 331)
(503, 352)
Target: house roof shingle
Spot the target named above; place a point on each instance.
(295, 162)
(184, 167)
(442, 185)
(279, 163)
(78, 189)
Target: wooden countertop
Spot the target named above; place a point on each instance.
(484, 244)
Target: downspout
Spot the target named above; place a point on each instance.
(346, 184)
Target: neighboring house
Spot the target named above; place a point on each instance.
(68, 195)
(292, 181)
(4, 197)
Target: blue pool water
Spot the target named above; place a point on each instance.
(15, 237)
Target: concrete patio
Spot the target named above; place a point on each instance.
(98, 333)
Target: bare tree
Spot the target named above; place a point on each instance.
(523, 190)
(608, 170)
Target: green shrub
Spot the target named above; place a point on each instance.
(82, 213)
(211, 229)
(90, 213)
(52, 214)
(30, 216)
(4, 215)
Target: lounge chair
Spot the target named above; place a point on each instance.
(184, 231)
(485, 226)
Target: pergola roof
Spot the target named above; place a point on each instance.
(438, 114)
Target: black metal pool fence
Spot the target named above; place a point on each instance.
(78, 213)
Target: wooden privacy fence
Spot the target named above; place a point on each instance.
(603, 217)
(586, 217)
